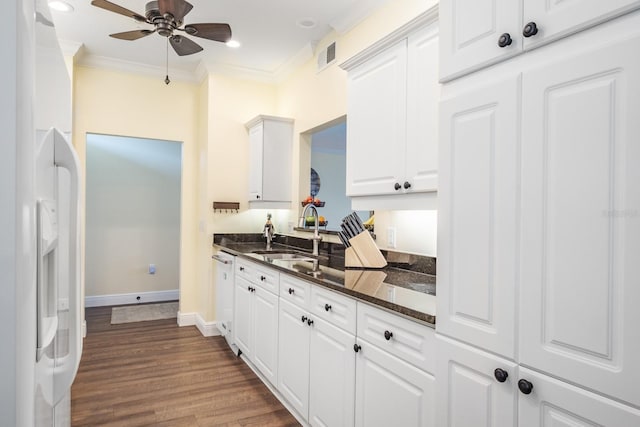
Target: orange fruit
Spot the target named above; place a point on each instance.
(321, 219)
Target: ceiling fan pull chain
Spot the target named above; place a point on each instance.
(166, 79)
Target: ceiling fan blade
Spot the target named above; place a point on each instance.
(177, 8)
(215, 32)
(183, 46)
(112, 7)
(132, 35)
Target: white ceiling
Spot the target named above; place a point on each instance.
(271, 40)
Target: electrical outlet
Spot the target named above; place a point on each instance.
(391, 237)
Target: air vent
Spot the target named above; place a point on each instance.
(327, 56)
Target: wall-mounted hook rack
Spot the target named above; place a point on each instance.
(226, 207)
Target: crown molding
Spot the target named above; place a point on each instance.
(295, 62)
(114, 64)
(428, 17)
(71, 48)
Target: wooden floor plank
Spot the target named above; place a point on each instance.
(157, 374)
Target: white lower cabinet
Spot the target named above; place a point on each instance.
(316, 372)
(468, 392)
(476, 388)
(256, 317)
(390, 391)
(332, 376)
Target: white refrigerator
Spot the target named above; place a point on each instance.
(40, 310)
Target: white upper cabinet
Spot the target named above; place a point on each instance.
(580, 247)
(477, 216)
(393, 96)
(376, 131)
(270, 147)
(470, 34)
(477, 33)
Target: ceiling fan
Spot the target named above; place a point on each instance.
(167, 17)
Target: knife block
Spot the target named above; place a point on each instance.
(363, 253)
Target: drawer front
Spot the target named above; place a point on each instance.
(295, 291)
(245, 269)
(408, 340)
(267, 279)
(336, 309)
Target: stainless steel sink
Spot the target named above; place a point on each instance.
(284, 255)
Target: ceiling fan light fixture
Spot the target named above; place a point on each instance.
(233, 44)
(60, 6)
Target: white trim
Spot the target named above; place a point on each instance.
(84, 329)
(207, 329)
(115, 64)
(186, 319)
(120, 299)
(71, 48)
(426, 18)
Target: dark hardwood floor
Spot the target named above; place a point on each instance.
(157, 374)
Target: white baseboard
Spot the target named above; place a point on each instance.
(186, 319)
(120, 299)
(207, 329)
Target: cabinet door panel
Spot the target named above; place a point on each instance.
(333, 372)
(376, 131)
(554, 403)
(293, 357)
(422, 110)
(390, 392)
(470, 33)
(467, 391)
(580, 226)
(559, 18)
(477, 216)
(256, 134)
(243, 316)
(265, 339)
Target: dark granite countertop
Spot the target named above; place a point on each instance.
(406, 286)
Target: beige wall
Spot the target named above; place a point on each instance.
(117, 103)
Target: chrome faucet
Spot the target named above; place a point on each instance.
(316, 227)
(268, 231)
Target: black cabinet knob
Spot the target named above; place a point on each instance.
(397, 186)
(504, 40)
(501, 375)
(257, 196)
(241, 268)
(309, 322)
(291, 291)
(525, 386)
(356, 348)
(327, 307)
(407, 185)
(262, 278)
(531, 29)
(388, 335)
(249, 288)
(303, 318)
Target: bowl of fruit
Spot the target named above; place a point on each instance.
(316, 202)
(310, 221)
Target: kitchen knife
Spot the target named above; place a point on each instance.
(344, 239)
(359, 221)
(351, 231)
(353, 226)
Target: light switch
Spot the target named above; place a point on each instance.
(391, 237)
(152, 269)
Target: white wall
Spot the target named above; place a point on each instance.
(132, 215)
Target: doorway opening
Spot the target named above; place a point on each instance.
(132, 226)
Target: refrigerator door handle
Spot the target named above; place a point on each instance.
(67, 366)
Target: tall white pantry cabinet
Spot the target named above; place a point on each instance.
(539, 225)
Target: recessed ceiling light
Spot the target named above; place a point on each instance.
(60, 6)
(233, 43)
(306, 23)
